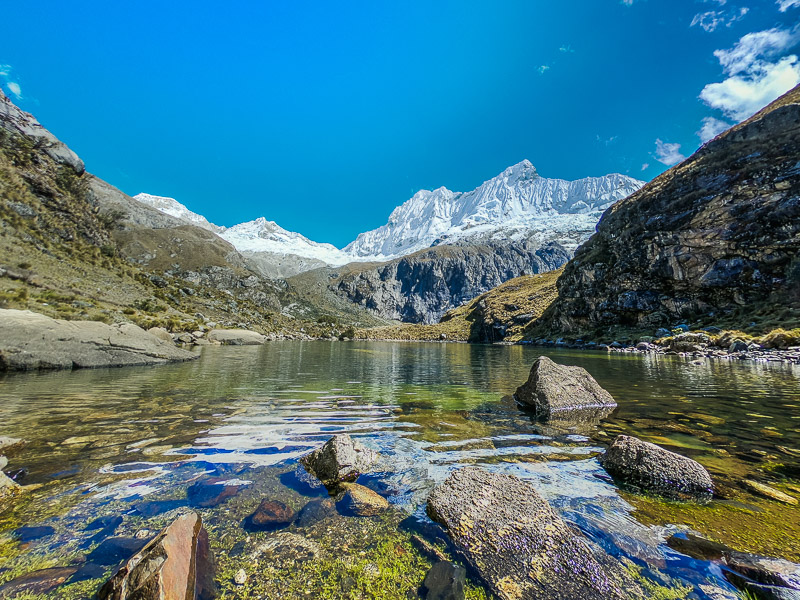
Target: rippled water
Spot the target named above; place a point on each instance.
(118, 442)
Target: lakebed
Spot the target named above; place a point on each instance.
(126, 446)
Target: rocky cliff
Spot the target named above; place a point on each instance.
(421, 287)
(715, 239)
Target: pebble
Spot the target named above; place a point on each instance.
(240, 578)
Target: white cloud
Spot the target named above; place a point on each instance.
(14, 88)
(543, 68)
(626, 2)
(756, 76)
(668, 153)
(645, 166)
(754, 46)
(711, 128)
(568, 48)
(6, 79)
(784, 5)
(708, 20)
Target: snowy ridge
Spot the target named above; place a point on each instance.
(267, 236)
(516, 202)
(173, 208)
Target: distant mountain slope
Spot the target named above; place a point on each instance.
(172, 207)
(511, 206)
(716, 238)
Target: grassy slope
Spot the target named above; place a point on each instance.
(514, 303)
(59, 256)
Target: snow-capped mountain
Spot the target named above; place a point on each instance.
(267, 236)
(518, 202)
(172, 207)
(516, 205)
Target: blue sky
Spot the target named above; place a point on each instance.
(325, 116)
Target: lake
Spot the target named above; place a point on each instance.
(112, 454)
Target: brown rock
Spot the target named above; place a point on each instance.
(176, 565)
(363, 502)
(37, 582)
(270, 515)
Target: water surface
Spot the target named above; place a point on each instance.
(129, 442)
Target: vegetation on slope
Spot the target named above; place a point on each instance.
(504, 313)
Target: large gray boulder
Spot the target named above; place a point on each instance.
(176, 564)
(653, 469)
(340, 459)
(554, 390)
(30, 340)
(516, 542)
(236, 337)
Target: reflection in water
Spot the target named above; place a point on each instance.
(131, 441)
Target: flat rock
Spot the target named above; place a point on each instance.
(553, 390)
(762, 489)
(270, 515)
(236, 337)
(362, 501)
(30, 341)
(444, 581)
(37, 582)
(176, 565)
(340, 459)
(653, 469)
(516, 542)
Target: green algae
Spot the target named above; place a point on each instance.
(759, 526)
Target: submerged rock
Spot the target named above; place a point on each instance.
(770, 492)
(270, 515)
(315, 511)
(236, 337)
(362, 501)
(211, 492)
(176, 565)
(37, 582)
(30, 341)
(340, 459)
(555, 390)
(444, 581)
(516, 542)
(8, 487)
(651, 468)
(9, 445)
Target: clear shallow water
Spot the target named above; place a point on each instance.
(118, 442)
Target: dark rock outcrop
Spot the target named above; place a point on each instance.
(31, 340)
(340, 459)
(176, 565)
(421, 287)
(720, 232)
(516, 542)
(444, 581)
(554, 390)
(651, 468)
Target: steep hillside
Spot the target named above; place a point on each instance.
(421, 287)
(503, 314)
(73, 246)
(714, 240)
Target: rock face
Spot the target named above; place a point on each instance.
(176, 565)
(554, 390)
(340, 459)
(654, 469)
(421, 287)
(30, 340)
(716, 233)
(236, 337)
(515, 541)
